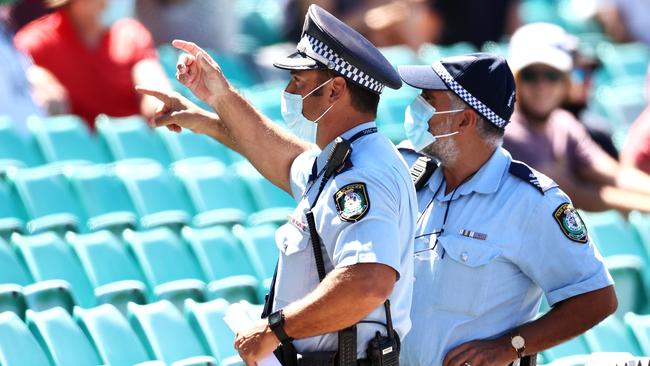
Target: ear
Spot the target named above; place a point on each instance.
(338, 87)
(468, 121)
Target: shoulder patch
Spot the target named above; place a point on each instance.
(571, 223)
(538, 180)
(352, 202)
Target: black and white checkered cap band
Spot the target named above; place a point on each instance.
(322, 53)
(484, 110)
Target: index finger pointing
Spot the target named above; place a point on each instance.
(164, 97)
(189, 47)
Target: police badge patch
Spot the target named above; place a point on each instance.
(352, 202)
(571, 223)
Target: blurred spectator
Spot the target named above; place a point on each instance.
(25, 89)
(213, 23)
(552, 141)
(24, 11)
(625, 20)
(636, 151)
(475, 21)
(383, 22)
(98, 63)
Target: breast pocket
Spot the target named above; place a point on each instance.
(296, 273)
(463, 274)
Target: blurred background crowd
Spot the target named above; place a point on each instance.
(582, 114)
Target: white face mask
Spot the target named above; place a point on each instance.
(416, 123)
(291, 108)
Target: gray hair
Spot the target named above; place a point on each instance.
(490, 133)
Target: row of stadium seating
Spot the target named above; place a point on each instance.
(155, 334)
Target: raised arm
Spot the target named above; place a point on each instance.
(238, 125)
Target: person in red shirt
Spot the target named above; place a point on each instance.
(98, 64)
(636, 151)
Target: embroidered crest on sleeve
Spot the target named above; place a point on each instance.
(352, 202)
(571, 223)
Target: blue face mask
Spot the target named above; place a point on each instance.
(416, 123)
(298, 124)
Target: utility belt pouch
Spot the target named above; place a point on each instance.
(322, 358)
(347, 355)
(287, 355)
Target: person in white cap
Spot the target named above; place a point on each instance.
(551, 140)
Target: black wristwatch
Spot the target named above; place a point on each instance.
(276, 323)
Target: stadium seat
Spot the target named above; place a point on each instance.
(12, 270)
(575, 346)
(207, 320)
(188, 144)
(47, 200)
(219, 196)
(45, 295)
(15, 152)
(641, 223)
(400, 55)
(130, 137)
(11, 218)
(259, 243)
(430, 53)
(391, 109)
(107, 263)
(167, 264)
(65, 138)
(111, 335)
(57, 332)
(165, 333)
(49, 258)
(627, 272)
(103, 197)
(273, 204)
(624, 60)
(612, 335)
(620, 103)
(266, 98)
(224, 262)
(12, 299)
(18, 347)
(237, 68)
(158, 198)
(640, 325)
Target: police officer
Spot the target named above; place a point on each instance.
(347, 248)
(493, 235)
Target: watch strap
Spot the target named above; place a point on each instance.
(276, 323)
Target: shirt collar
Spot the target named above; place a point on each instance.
(324, 154)
(486, 180)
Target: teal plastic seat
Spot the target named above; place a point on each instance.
(167, 264)
(624, 60)
(15, 152)
(225, 263)
(640, 325)
(266, 98)
(108, 264)
(260, 246)
(111, 335)
(627, 272)
(49, 294)
(130, 137)
(400, 55)
(206, 319)
(612, 335)
(641, 223)
(18, 347)
(48, 202)
(612, 234)
(391, 109)
(575, 346)
(11, 218)
(57, 332)
(49, 258)
(158, 198)
(188, 144)
(165, 333)
(218, 195)
(430, 53)
(12, 299)
(65, 138)
(273, 203)
(12, 270)
(103, 197)
(620, 103)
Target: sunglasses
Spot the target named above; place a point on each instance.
(532, 76)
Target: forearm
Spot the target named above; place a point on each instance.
(632, 179)
(567, 320)
(266, 145)
(345, 297)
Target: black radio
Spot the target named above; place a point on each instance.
(384, 350)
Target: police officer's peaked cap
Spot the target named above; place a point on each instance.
(482, 80)
(328, 43)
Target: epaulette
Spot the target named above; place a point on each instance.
(421, 171)
(522, 171)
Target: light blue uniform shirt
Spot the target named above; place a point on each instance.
(384, 234)
(500, 248)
